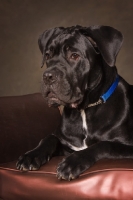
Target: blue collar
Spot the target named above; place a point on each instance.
(103, 98)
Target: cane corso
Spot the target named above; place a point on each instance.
(97, 120)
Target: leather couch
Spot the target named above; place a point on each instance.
(24, 121)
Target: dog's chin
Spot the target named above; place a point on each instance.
(55, 102)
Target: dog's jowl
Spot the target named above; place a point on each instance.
(97, 119)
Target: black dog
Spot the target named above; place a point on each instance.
(97, 120)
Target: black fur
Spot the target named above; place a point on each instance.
(80, 68)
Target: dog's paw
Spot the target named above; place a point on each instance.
(30, 162)
(71, 167)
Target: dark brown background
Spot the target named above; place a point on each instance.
(22, 21)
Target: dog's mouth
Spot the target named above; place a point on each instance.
(52, 96)
(55, 101)
(52, 99)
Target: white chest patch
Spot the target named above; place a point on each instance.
(83, 115)
(84, 124)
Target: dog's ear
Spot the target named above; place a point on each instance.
(46, 37)
(106, 39)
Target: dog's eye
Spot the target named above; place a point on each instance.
(67, 48)
(74, 56)
(47, 56)
(51, 49)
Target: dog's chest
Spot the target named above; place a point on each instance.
(75, 131)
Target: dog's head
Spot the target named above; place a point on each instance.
(74, 58)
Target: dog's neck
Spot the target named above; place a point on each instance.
(102, 84)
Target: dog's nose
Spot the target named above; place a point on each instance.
(49, 77)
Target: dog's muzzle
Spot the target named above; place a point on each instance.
(57, 88)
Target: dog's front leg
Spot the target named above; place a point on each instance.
(72, 166)
(32, 160)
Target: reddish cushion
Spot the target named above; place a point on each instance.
(107, 179)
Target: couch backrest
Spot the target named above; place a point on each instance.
(24, 121)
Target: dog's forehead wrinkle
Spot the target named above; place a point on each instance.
(69, 39)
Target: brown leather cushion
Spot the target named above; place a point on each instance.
(107, 179)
